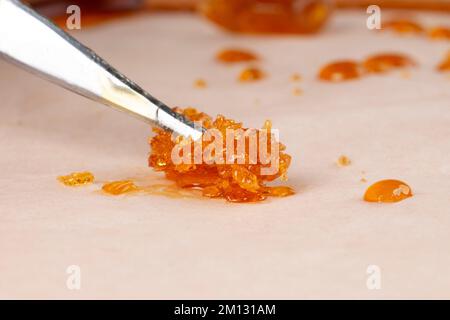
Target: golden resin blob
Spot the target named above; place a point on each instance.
(77, 179)
(388, 191)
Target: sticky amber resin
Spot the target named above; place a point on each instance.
(403, 26)
(170, 191)
(236, 55)
(439, 33)
(77, 179)
(445, 65)
(340, 71)
(251, 74)
(267, 16)
(120, 187)
(387, 191)
(231, 181)
(387, 61)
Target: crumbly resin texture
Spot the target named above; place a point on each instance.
(231, 181)
(77, 179)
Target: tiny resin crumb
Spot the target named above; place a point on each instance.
(235, 56)
(251, 74)
(231, 179)
(445, 65)
(267, 16)
(403, 26)
(439, 33)
(297, 92)
(77, 179)
(120, 187)
(343, 161)
(295, 77)
(340, 71)
(200, 84)
(388, 191)
(387, 61)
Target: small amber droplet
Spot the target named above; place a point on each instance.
(403, 26)
(77, 179)
(384, 62)
(120, 187)
(439, 33)
(251, 74)
(445, 65)
(200, 84)
(340, 71)
(387, 191)
(343, 161)
(236, 55)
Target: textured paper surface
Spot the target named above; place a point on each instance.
(317, 243)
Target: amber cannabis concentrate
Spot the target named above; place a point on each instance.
(234, 180)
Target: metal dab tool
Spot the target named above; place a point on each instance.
(36, 44)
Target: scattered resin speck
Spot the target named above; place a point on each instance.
(388, 191)
(403, 26)
(297, 92)
(343, 161)
(445, 65)
(387, 61)
(439, 33)
(340, 71)
(200, 84)
(77, 179)
(235, 56)
(296, 77)
(251, 74)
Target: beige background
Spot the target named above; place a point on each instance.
(316, 244)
